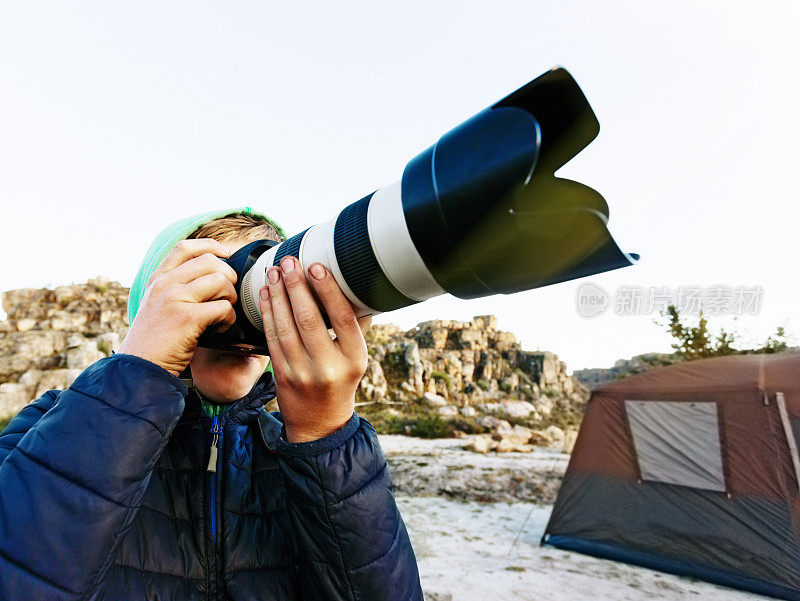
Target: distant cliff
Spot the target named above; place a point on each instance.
(441, 377)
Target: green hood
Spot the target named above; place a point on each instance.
(165, 242)
(160, 248)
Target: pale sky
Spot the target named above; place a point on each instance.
(119, 118)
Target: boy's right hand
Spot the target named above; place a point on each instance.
(192, 289)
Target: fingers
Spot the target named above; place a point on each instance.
(275, 351)
(279, 325)
(364, 323)
(307, 316)
(215, 312)
(189, 249)
(212, 286)
(340, 311)
(199, 266)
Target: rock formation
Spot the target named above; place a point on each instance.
(469, 375)
(50, 336)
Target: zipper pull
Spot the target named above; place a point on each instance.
(212, 458)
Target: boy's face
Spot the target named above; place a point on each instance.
(223, 377)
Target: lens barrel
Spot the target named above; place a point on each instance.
(478, 213)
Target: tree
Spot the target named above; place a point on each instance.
(696, 342)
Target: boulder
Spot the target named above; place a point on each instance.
(516, 436)
(434, 400)
(479, 444)
(448, 411)
(467, 411)
(555, 434)
(570, 437)
(83, 355)
(25, 324)
(56, 379)
(504, 445)
(13, 397)
(492, 423)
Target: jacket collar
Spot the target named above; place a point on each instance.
(243, 411)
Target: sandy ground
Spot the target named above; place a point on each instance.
(467, 550)
(441, 467)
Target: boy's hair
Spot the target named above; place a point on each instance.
(237, 226)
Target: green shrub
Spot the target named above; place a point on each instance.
(104, 346)
(431, 426)
(441, 376)
(3, 424)
(484, 384)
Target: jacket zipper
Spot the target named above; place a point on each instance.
(213, 457)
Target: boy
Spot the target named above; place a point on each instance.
(129, 485)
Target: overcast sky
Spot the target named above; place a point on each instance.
(118, 118)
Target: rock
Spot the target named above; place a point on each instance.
(492, 423)
(68, 320)
(555, 434)
(479, 444)
(373, 382)
(467, 411)
(570, 437)
(509, 408)
(415, 367)
(517, 408)
(13, 397)
(523, 448)
(504, 445)
(509, 383)
(517, 435)
(431, 596)
(544, 405)
(23, 325)
(484, 322)
(82, 356)
(434, 400)
(56, 379)
(108, 342)
(540, 439)
(65, 295)
(504, 341)
(30, 379)
(448, 411)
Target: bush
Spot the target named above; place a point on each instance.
(431, 426)
(484, 384)
(442, 377)
(104, 346)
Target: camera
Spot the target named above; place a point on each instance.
(479, 212)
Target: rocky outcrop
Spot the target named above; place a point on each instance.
(468, 364)
(456, 375)
(50, 336)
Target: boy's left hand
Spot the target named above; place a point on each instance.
(316, 376)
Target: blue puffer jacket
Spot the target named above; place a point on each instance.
(106, 492)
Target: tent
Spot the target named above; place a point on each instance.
(692, 469)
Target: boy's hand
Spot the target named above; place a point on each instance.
(190, 291)
(316, 376)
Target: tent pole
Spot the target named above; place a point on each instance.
(787, 429)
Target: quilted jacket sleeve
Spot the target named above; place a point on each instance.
(347, 524)
(73, 467)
